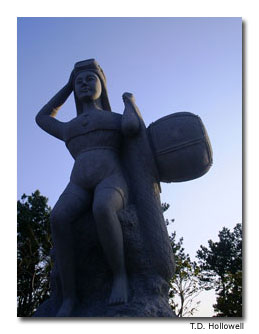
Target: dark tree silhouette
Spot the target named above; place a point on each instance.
(221, 265)
(33, 249)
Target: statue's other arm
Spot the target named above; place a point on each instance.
(45, 118)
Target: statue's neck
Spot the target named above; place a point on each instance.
(92, 105)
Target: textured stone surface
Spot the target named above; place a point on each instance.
(148, 291)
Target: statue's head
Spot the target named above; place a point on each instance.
(89, 82)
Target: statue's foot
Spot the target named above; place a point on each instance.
(66, 308)
(119, 294)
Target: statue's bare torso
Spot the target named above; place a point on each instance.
(94, 140)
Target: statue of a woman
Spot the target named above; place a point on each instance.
(93, 138)
(109, 171)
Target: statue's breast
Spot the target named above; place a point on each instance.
(92, 121)
(95, 130)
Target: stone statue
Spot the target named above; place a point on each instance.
(112, 252)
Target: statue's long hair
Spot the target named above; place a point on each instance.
(92, 66)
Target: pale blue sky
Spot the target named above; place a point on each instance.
(170, 65)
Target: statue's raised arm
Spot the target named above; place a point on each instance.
(46, 116)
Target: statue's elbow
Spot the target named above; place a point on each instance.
(37, 119)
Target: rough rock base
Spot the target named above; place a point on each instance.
(148, 292)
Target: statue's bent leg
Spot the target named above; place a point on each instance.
(73, 202)
(108, 201)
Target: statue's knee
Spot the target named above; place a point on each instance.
(56, 221)
(102, 211)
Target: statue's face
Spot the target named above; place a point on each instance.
(87, 86)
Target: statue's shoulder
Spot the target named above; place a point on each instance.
(110, 116)
(115, 114)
